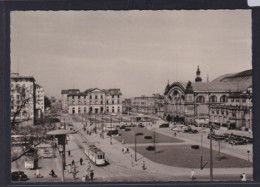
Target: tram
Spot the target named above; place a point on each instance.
(95, 155)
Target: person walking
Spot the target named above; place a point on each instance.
(74, 172)
(87, 175)
(52, 173)
(91, 175)
(80, 161)
(73, 163)
(38, 175)
(68, 152)
(192, 175)
(243, 177)
(69, 168)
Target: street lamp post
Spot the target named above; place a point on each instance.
(211, 154)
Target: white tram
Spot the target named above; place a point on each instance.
(95, 155)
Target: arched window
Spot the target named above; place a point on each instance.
(200, 99)
(113, 109)
(85, 109)
(107, 110)
(90, 110)
(213, 99)
(79, 110)
(73, 110)
(118, 109)
(223, 99)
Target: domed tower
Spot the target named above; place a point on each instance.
(198, 78)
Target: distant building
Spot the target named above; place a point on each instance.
(64, 98)
(145, 104)
(92, 101)
(226, 101)
(23, 103)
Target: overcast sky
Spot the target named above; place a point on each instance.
(137, 51)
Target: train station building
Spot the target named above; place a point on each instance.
(92, 101)
(225, 101)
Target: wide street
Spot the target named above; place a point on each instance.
(162, 166)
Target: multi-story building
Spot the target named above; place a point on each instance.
(191, 101)
(64, 98)
(22, 99)
(39, 93)
(93, 101)
(145, 104)
(27, 100)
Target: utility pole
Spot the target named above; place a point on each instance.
(211, 154)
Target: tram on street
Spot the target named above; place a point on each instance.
(95, 155)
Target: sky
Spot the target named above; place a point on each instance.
(136, 51)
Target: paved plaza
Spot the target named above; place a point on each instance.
(173, 159)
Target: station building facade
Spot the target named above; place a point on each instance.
(226, 101)
(92, 101)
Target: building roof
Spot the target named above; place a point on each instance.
(235, 82)
(69, 91)
(16, 76)
(233, 77)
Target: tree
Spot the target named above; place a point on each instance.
(21, 105)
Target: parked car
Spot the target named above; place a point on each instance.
(148, 137)
(139, 134)
(122, 127)
(150, 148)
(19, 176)
(164, 125)
(112, 132)
(194, 131)
(195, 146)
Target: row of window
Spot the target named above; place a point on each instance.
(212, 99)
(95, 96)
(96, 110)
(101, 102)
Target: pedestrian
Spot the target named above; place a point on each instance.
(80, 161)
(69, 152)
(92, 175)
(73, 163)
(74, 175)
(243, 177)
(87, 175)
(37, 173)
(69, 169)
(175, 134)
(123, 142)
(144, 165)
(52, 173)
(192, 174)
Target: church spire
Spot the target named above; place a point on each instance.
(198, 78)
